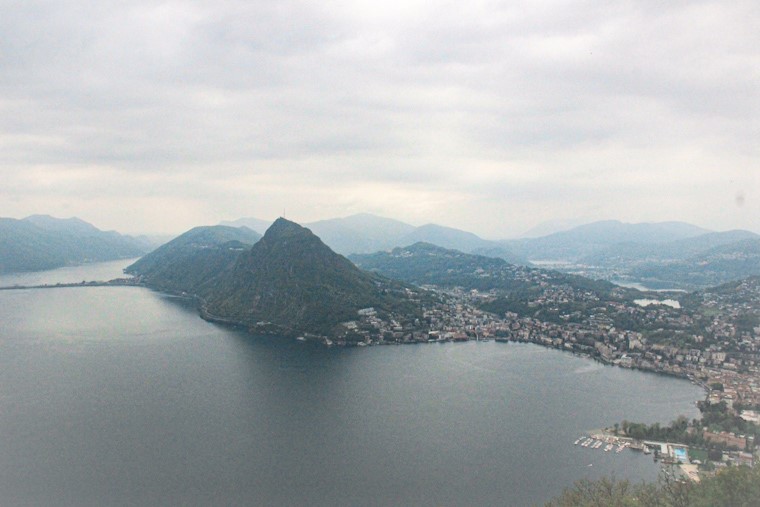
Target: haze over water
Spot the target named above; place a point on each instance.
(121, 395)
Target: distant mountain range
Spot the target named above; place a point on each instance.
(676, 250)
(289, 282)
(610, 249)
(663, 254)
(42, 242)
(578, 242)
(366, 233)
(715, 266)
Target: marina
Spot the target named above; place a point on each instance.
(607, 442)
(667, 453)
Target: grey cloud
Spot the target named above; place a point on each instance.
(342, 96)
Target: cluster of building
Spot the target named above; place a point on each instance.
(658, 338)
(708, 341)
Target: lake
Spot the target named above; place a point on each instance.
(124, 396)
(96, 272)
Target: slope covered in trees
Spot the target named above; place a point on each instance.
(42, 242)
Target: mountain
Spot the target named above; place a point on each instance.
(287, 283)
(72, 226)
(152, 241)
(552, 226)
(717, 265)
(587, 239)
(362, 233)
(187, 262)
(366, 233)
(426, 264)
(42, 242)
(255, 224)
(630, 252)
(296, 284)
(445, 237)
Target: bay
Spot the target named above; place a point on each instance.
(123, 396)
(95, 272)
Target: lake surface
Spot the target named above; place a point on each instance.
(123, 396)
(96, 272)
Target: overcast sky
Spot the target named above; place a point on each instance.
(488, 116)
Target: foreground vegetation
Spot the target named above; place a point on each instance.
(732, 487)
(716, 417)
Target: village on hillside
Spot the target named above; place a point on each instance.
(714, 342)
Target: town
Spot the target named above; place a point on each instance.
(712, 339)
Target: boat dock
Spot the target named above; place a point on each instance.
(609, 442)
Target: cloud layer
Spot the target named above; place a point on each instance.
(490, 116)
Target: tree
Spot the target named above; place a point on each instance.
(732, 487)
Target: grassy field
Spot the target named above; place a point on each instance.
(699, 454)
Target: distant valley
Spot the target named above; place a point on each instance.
(674, 255)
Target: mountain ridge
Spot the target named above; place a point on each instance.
(287, 283)
(190, 260)
(368, 233)
(40, 242)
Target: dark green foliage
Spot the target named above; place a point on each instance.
(427, 264)
(190, 260)
(675, 432)
(732, 487)
(288, 279)
(716, 417)
(42, 242)
(293, 280)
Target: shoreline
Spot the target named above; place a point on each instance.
(204, 314)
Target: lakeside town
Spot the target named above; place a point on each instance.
(710, 340)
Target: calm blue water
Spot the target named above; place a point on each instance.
(123, 396)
